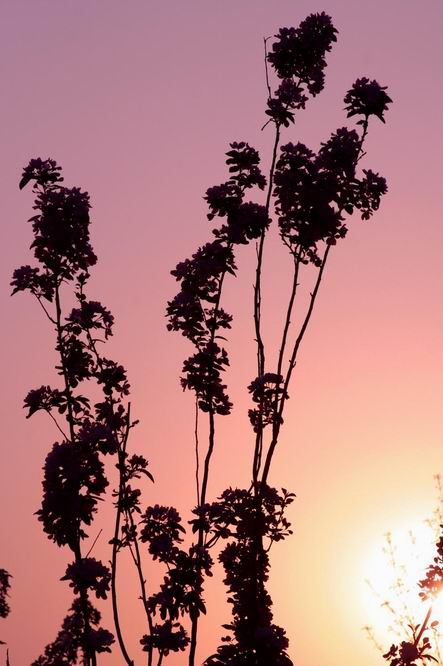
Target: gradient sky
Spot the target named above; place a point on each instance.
(137, 100)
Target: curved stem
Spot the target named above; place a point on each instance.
(257, 286)
(197, 454)
(288, 315)
(115, 547)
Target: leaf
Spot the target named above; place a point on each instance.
(148, 474)
(24, 181)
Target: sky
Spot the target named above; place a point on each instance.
(138, 101)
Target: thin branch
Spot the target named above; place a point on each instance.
(115, 548)
(57, 424)
(93, 543)
(292, 363)
(197, 455)
(268, 86)
(51, 319)
(257, 286)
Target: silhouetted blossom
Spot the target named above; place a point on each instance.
(91, 315)
(74, 480)
(432, 584)
(30, 279)
(88, 574)
(368, 193)
(45, 173)
(77, 361)
(61, 227)
(367, 98)
(313, 192)
(167, 637)
(300, 52)
(305, 197)
(200, 274)
(409, 653)
(243, 161)
(203, 376)
(4, 591)
(70, 640)
(161, 530)
(223, 199)
(44, 398)
(249, 519)
(340, 153)
(113, 378)
(98, 436)
(266, 392)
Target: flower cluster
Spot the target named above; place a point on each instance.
(367, 98)
(4, 590)
(298, 58)
(247, 520)
(73, 482)
(266, 392)
(409, 653)
(166, 637)
(300, 52)
(61, 225)
(161, 529)
(74, 473)
(195, 311)
(180, 593)
(77, 635)
(88, 574)
(314, 191)
(432, 584)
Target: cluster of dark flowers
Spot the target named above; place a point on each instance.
(242, 518)
(5, 586)
(195, 311)
(411, 653)
(75, 637)
(74, 471)
(4, 591)
(298, 58)
(74, 477)
(313, 193)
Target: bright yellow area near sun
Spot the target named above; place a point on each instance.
(393, 569)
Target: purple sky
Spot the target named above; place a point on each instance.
(138, 101)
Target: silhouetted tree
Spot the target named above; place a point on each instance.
(74, 472)
(311, 194)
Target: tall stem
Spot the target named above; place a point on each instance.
(257, 286)
(89, 656)
(257, 303)
(292, 363)
(115, 547)
(205, 479)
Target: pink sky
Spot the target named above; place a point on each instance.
(137, 101)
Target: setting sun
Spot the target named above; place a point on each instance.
(394, 569)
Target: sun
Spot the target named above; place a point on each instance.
(393, 570)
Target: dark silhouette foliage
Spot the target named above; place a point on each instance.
(311, 195)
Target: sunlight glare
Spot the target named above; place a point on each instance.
(392, 573)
